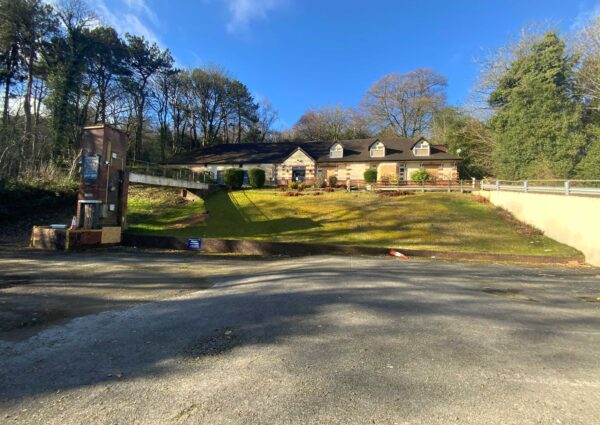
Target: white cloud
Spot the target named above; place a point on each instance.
(587, 11)
(129, 17)
(243, 12)
(140, 6)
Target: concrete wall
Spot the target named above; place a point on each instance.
(572, 220)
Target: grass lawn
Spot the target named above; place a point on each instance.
(437, 221)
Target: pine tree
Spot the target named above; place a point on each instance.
(538, 124)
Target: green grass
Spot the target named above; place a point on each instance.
(437, 221)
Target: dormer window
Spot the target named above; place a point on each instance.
(422, 148)
(336, 151)
(377, 150)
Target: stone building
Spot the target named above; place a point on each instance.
(395, 159)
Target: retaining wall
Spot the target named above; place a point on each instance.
(572, 220)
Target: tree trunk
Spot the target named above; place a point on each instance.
(36, 108)
(103, 88)
(239, 129)
(27, 99)
(139, 129)
(6, 101)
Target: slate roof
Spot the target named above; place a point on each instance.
(397, 149)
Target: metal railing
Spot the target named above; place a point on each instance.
(178, 173)
(564, 187)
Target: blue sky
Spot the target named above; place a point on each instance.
(308, 53)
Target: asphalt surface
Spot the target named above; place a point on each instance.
(318, 340)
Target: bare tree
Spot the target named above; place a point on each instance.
(406, 102)
(587, 45)
(331, 123)
(267, 115)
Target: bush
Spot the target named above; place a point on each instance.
(319, 182)
(293, 186)
(422, 176)
(256, 177)
(370, 175)
(233, 177)
(333, 181)
(21, 198)
(301, 187)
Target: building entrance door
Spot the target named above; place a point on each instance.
(298, 174)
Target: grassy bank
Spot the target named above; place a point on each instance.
(22, 198)
(437, 221)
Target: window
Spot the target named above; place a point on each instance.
(421, 148)
(377, 150)
(336, 151)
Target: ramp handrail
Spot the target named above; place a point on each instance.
(177, 173)
(564, 187)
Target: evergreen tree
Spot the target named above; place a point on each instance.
(589, 167)
(67, 60)
(145, 61)
(107, 63)
(538, 125)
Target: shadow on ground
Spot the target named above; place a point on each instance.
(265, 303)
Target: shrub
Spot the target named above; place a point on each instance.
(23, 197)
(301, 187)
(333, 181)
(256, 177)
(370, 175)
(422, 176)
(319, 182)
(293, 186)
(233, 177)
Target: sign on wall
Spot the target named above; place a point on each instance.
(90, 166)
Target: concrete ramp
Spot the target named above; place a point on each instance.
(165, 181)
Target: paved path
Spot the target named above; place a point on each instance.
(321, 340)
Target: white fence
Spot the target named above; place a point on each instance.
(564, 187)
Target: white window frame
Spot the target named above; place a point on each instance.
(377, 150)
(336, 151)
(422, 148)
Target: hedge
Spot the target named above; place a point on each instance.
(233, 177)
(370, 175)
(256, 177)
